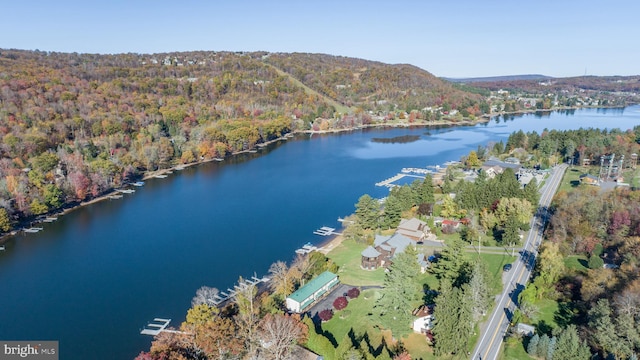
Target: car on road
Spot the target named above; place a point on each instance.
(507, 267)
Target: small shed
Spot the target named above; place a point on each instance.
(312, 291)
(525, 329)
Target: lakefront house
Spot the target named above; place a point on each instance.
(384, 248)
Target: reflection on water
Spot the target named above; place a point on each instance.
(98, 274)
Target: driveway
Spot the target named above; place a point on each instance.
(327, 301)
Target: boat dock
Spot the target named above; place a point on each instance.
(389, 182)
(229, 294)
(155, 327)
(326, 231)
(115, 197)
(305, 249)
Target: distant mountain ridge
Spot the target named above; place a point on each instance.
(499, 78)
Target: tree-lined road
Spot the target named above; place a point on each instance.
(491, 338)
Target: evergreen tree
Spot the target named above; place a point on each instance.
(604, 331)
(511, 232)
(451, 262)
(392, 212)
(543, 346)
(551, 348)
(570, 347)
(424, 191)
(401, 291)
(531, 192)
(453, 322)
(367, 212)
(445, 319)
(508, 184)
(532, 348)
(478, 291)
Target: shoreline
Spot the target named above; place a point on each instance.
(338, 238)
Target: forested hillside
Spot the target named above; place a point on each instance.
(74, 126)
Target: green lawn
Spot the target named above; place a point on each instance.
(354, 322)
(577, 263)
(514, 350)
(347, 257)
(494, 263)
(571, 178)
(546, 317)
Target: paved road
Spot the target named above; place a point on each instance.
(491, 338)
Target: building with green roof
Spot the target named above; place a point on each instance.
(312, 291)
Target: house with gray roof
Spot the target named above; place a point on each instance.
(383, 250)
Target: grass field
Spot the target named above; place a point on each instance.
(577, 263)
(514, 350)
(347, 257)
(571, 178)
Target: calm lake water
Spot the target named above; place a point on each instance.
(95, 277)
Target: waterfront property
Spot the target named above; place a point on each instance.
(383, 250)
(312, 291)
(414, 229)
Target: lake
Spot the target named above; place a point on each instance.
(95, 277)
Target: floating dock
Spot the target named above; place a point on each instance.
(155, 327)
(305, 249)
(326, 231)
(228, 294)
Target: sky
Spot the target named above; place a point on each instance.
(449, 38)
